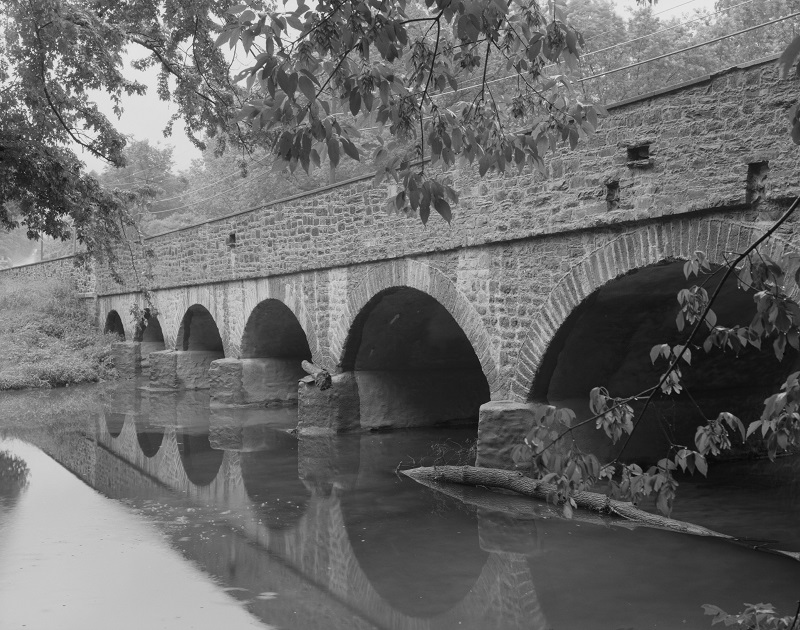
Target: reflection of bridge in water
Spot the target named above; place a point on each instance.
(282, 515)
(324, 525)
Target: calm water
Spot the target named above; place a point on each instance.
(121, 508)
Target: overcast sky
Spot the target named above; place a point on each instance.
(146, 116)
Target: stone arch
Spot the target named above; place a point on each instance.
(428, 280)
(151, 337)
(411, 363)
(273, 330)
(648, 245)
(114, 324)
(629, 305)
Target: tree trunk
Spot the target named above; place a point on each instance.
(322, 377)
(517, 482)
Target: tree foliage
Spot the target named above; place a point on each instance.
(54, 56)
(412, 86)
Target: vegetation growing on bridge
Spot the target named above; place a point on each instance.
(48, 338)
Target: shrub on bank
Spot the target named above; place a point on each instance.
(48, 338)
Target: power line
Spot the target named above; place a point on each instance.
(682, 50)
(667, 29)
(594, 52)
(595, 76)
(654, 14)
(194, 203)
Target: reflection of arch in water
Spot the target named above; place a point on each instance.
(200, 462)
(419, 551)
(272, 483)
(114, 325)
(114, 422)
(149, 438)
(502, 589)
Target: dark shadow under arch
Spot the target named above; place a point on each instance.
(414, 363)
(199, 331)
(606, 341)
(114, 325)
(273, 330)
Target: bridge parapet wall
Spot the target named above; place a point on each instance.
(82, 275)
(701, 137)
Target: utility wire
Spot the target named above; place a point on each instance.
(204, 199)
(682, 50)
(595, 52)
(677, 6)
(665, 30)
(595, 76)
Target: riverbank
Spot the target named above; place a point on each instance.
(48, 338)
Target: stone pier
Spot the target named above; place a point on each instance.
(252, 382)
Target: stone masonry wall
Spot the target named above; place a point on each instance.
(522, 252)
(83, 276)
(702, 137)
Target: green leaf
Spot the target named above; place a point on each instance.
(443, 208)
(789, 56)
(307, 88)
(333, 151)
(355, 102)
(350, 149)
(701, 463)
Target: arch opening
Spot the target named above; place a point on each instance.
(413, 364)
(151, 337)
(199, 343)
(273, 346)
(606, 341)
(114, 325)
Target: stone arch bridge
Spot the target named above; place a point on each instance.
(541, 288)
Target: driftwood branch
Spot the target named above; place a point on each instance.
(596, 502)
(322, 378)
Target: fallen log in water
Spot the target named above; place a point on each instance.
(322, 378)
(519, 506)
(594, 501)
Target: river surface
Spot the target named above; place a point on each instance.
(122, 508)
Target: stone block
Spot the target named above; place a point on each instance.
(267, 380)
(192, 367)
(127, 358)
(334, 410)
(502, 424)
(225, 381)
(252, 382)
(163, 371)
(404, 399)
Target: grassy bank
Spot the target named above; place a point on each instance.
(47, 337)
